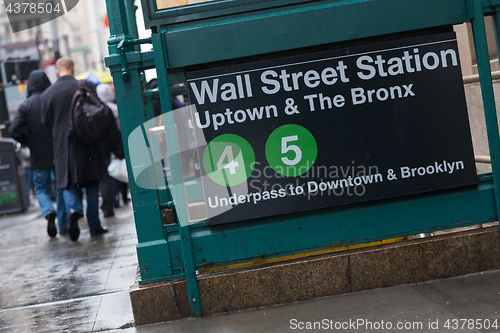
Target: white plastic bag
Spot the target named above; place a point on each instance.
(118, 170)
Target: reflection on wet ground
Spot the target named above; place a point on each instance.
(56, 285)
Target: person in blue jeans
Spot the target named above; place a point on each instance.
(42, 179)
(73, 198)
(26, 129)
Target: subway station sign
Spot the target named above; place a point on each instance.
(332, 128)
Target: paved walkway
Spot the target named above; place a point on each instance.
(56, 285)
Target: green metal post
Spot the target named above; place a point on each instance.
(131, 19)
(118, 24)
(179, 193)
(152, 248)
(483, 63)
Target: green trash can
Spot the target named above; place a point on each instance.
(13, 197)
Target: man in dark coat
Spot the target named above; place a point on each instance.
(26, 129)
(76, 165)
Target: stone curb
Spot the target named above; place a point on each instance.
(406, 262)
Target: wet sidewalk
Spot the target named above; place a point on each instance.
(56, 285)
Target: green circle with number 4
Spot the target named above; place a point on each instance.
(229, 160)
(291, 150)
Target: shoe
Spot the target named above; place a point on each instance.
(74, 230)
(98, 231)
(51, 225)
(64, 231)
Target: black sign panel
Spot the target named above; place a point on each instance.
(332, 128)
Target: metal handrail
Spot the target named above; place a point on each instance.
(482, 159)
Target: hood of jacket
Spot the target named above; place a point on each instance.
(37, 82)
(105, 93)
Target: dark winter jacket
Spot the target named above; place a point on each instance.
(112, 143)
(74, 162)
(27, 127)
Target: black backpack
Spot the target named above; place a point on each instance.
(90, 118)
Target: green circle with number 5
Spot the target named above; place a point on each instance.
(229, 160)
(291, 150)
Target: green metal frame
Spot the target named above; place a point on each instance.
(167, 252)
(154, 16)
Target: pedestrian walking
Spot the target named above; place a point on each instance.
(26, 129)
(77, 166)
(111, 144)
